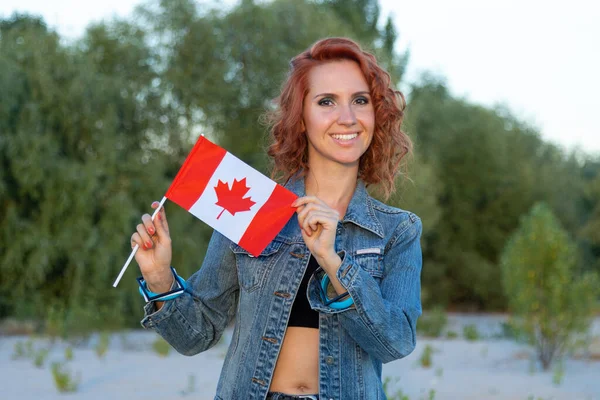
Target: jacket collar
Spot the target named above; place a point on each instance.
(360, 210)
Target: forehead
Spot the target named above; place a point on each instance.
(337, 76)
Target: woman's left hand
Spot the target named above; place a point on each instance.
(318, 223)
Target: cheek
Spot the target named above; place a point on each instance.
(316, 122)
(368, 120)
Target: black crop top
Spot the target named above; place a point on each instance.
(302, 314)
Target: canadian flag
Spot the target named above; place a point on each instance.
(233, 198)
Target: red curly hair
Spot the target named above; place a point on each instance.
(289, 148)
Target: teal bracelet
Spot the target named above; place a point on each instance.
(170, 295)
(334, 303)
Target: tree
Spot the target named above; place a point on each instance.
(550, 301)
(75, 163)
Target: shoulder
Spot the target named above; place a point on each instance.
(399, 222)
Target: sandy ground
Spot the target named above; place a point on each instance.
(488, 368)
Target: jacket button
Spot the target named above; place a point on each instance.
(329, 360)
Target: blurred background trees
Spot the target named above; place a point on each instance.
(93, 130)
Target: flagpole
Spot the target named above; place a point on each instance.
(135, 249)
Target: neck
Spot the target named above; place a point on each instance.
(335, 186)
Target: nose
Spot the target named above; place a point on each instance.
(346, 117)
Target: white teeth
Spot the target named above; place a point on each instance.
(345, 137)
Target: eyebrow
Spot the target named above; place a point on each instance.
(334, 95)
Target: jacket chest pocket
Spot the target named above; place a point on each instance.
(252, 270)
(371, 260)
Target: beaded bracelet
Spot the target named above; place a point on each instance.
(170, 295)
(334, 303)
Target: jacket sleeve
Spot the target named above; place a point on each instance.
(194, 321)
(384, 315)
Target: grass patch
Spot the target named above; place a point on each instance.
(426, 357)
(40, 356)
(101, 347)
(471, 333)
(63, 378)
(161, 347)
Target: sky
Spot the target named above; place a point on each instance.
(540, 58)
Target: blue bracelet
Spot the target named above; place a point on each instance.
(170, 295)
(334, 303)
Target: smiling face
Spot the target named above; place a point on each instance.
(338, 114)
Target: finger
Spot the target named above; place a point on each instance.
(160, 221)
(136, 240)
(148, 224)
(146, 241)
(313, 220)
(314, 207)
(304, 211)
(306, 200)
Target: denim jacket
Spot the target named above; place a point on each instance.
(381, 253)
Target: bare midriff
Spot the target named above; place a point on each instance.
(297, 368)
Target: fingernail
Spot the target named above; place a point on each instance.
(151, 230)
(158, 216)
(148, 245)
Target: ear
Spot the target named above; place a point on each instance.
(302, 126)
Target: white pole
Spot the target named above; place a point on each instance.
(135, 249)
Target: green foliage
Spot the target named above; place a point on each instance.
(451, 335)
(512, 330)
(69, 353)
(426, 357)
(74, 172)
(40, 356)
(558, 372)
(22, 349)
(103, 344)
(64, 380)
(470, 332)
(161, 347)
(551, 301)
(432, 323)
(93, 130)
(490, 168)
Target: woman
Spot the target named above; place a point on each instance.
(337, 292)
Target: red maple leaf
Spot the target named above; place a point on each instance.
(233, 199)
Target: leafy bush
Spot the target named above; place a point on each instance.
(550, 301)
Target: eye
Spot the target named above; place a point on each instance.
(325, 102)
(361, 100)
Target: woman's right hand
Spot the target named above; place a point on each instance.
(154, 254)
